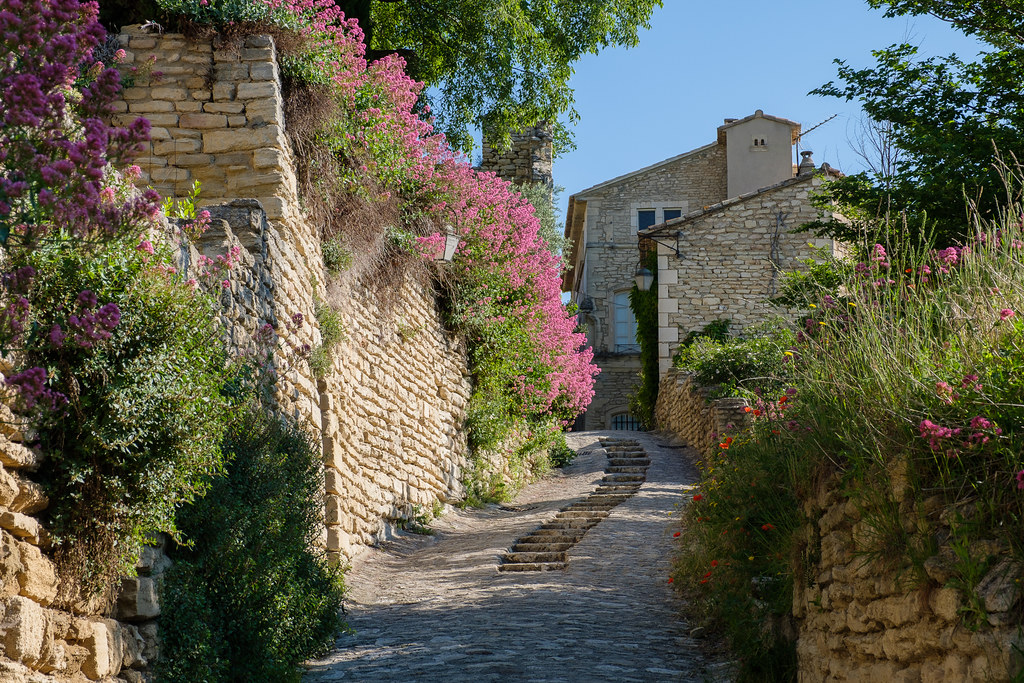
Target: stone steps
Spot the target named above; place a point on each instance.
(546, 548)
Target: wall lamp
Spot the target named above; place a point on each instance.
(451, 243)
(644, 279)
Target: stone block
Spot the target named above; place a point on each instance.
(224, 107)
(37, 578)
(176, 175)
(20, 525)
(217, 141)
(169, 93)
(150, 107)
(138, 599)
(253, 91)
(102, 639)
(223, 91)
(1000, 589)
(16, 456)
(24, 629)
(203, 121)
(176, 146)
(263, 72)
(188, 106)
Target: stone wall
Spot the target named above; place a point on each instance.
(729, 261)
(862, 620)
(683, 409)
(527, 160)
(38, 642)
(394, 404)
(217, 112)
(391, 409)
(858, 618)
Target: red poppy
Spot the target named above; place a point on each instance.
(714, 563)
(757, 412)
(670, 579)
(676, 534)
(698, 497)
(747, 409)
(783, 399)
(767, 527)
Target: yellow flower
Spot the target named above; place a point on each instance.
(788, 353)
(813, 306)
(851, 303)
(751, 558)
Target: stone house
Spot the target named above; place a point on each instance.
(720, 215)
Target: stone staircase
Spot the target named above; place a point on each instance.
(547, 547)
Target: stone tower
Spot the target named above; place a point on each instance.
(528, 160)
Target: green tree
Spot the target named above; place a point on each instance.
(952, 120)
(503, 64)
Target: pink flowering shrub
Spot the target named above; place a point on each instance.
(528, 360)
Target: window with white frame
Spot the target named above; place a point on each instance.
(625, 325)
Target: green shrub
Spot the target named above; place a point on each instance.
(252, 596)
(758, 361)
(337, 258)
(141, 431)
(645, 308)
(559, 453)
(332, 333)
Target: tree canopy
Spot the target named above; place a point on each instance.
(502, 64)
(952, 120)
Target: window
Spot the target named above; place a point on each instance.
(645, 218)
(760, 143)
(673, 213)
(624, 421)
(625, 325)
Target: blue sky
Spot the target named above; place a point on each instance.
(704, 61)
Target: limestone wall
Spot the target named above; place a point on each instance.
(38, 642)
(729, 261)
(217, 115)
(394, 405)
(683, 409)
(861, 620)
(391, 409)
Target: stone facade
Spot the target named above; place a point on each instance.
(724, 261)
(684, 410)
(602, 222)
(527, 160)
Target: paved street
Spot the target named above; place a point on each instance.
(435, 608)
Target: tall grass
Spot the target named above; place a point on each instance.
(907, 387)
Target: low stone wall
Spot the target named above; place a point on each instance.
(684, 410)
(38, 642)
(861, 620)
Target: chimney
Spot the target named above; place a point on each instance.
(806, 166)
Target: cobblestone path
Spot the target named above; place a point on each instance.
(435, 608)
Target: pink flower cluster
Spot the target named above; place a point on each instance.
(950, 439)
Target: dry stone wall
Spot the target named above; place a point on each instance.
(40, 643)
(861, 620)
(390, 410)
(527, 160)
(394, 404)
(684, 410)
